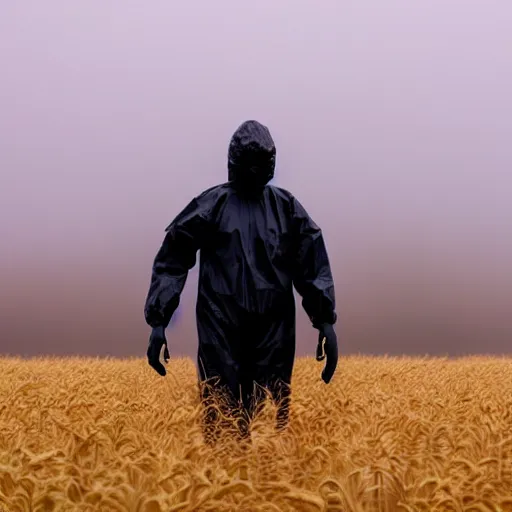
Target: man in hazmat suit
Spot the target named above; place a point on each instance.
(256, 243)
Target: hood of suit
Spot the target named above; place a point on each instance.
(251, 156)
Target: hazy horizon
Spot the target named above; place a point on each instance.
(392, 123)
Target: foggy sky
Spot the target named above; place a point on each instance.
(392, 122)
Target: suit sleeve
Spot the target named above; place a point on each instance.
(176, 256)
(312, 272)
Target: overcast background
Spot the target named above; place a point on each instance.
(393, 124)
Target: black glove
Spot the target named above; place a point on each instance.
(327, 347)
(156, 340)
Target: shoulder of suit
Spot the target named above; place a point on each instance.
(213, 192)
(282, 192)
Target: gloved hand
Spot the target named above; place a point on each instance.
(327, 348)
(156, 340)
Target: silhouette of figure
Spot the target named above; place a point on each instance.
(256, 243)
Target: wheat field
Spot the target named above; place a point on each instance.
(388, 434)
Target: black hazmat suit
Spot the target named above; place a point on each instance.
(256, 242)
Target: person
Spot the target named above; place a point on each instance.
(256, 243)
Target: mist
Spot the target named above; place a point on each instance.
(392, 123)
